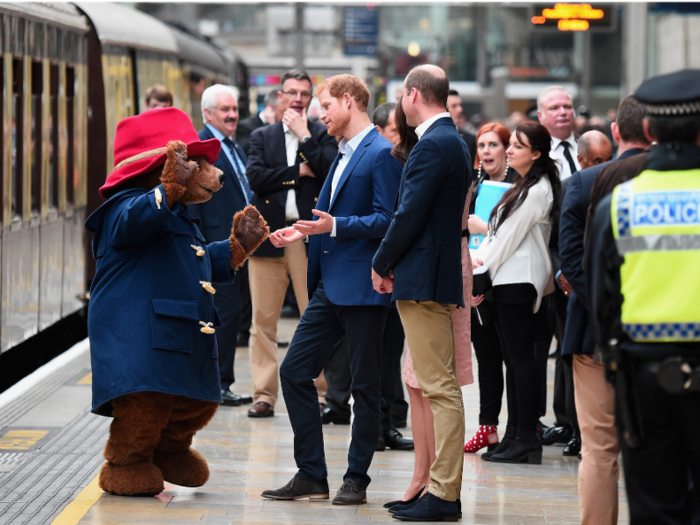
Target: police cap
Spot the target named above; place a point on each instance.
(675, 94)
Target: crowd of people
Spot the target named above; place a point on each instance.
(370, 222)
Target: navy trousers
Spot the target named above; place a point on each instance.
(321, 326)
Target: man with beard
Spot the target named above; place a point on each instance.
(351, 218)
(220, 114)
(287, 167)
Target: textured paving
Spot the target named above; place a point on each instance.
(247, 456)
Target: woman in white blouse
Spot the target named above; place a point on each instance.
(517, 257)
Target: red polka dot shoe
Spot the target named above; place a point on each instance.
(486, 436)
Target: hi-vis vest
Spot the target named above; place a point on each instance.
(656, 224)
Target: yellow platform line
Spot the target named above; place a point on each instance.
(77, 508)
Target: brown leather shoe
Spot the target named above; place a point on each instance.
(261, 409)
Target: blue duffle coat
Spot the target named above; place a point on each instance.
(146, 301)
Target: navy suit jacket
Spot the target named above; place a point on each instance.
(216, 215)
(362, 207)
(271, 178)
(423, 246)
(579, 337)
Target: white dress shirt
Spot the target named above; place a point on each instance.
(557, 154)
(347, 148)
(422, 128)
(291, 142)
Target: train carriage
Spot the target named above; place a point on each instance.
(44, 117)
(70, 73)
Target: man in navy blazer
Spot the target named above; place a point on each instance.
(287, 166)
(220, 112)
(595, 400)
(352, 216)
(420, 261)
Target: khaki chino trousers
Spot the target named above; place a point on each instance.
(269, 279)
(599, 472)
(430, 339)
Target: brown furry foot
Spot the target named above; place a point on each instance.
(137, 479)
(186, 468)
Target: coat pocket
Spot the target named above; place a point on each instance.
(174, 324)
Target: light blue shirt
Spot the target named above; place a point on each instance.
(347, 148)
(233, 157)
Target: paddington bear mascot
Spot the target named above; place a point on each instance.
(151, 319)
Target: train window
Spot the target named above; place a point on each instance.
(53, 139)
(71, 173)
(36, 138)
(17, 86)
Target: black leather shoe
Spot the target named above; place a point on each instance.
(541, 429)
(330, 416)
(230, 399)
(411, 501)
(350, 493)
(282, 344)
(395, 440)
(573, 448)
(381, 444)
(506, 442)
(431, 508)
(525, 449)
(299, 488)
(556, 435)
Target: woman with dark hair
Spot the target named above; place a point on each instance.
(422, 422)
(492, 165)
(517, 256)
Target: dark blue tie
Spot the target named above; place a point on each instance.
(239, 168)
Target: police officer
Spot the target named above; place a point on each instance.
(644, 273)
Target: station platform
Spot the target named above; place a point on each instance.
(51, 452)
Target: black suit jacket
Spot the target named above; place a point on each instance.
(579, 337)
(271, 178)
(245, 128)
(423, 246)
(216, 215)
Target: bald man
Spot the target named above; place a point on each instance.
(593, 148)
(425, 238)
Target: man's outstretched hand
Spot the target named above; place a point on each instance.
(286, 237)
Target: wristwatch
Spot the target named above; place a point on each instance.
(305, 139)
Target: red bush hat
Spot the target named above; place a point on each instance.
(141, 141)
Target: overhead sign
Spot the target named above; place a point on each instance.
(360, 28)
(573, 17)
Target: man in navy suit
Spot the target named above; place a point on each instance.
(420, 262)
(595, 399)
(220, 113)
(352, 216)
(287, 166)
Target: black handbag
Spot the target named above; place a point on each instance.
(481, 282)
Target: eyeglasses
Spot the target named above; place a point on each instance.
(305, 95)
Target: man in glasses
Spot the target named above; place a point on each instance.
(287, 166)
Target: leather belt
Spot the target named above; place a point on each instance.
(291, 222)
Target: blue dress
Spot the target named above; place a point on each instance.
(146, 300)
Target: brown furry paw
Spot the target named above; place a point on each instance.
(137, 479)
(186, 468)
(248, 232)
(175, 171)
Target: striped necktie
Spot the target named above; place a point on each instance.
(239, 168)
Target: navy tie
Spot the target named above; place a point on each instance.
(239, 168)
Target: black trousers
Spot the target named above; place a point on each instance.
(228, 302)
(337, 371)
(321, 326)
(517, 330)
(662, 476)
(487, 346)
